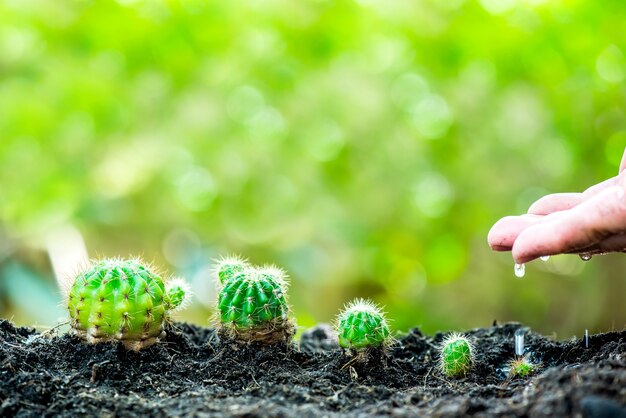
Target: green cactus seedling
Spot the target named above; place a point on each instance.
(522, 367)
(456, 355)
(122, 300)
(252, 303)
(362, 325)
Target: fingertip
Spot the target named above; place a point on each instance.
(522, 258)
(536, 207)
(497, 235)
(526, 248)
(520, 254)
(500, 248)
(503, 233)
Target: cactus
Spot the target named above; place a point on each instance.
(362, 325)
(122, 300)
(228, 267)
(456, 355)
(522, 367)
(252, 303)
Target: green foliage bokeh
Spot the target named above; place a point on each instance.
(367, 146)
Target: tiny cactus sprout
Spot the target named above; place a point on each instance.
(252, 303)
(362, 325)
(123, 300)
(521, 366)
(229, 267)
(456, 355)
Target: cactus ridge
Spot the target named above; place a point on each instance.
(252, 305)
(456, 355)
(123, 300)
(362, 325)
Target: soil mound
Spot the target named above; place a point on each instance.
(193, 372)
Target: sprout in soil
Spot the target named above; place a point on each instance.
(456, 355)
(252, 303)
(123, 300)
(521, 366)
(362, 325)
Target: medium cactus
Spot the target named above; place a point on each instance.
(122, 300)
(362, 325)
(522, 367)
(456, 355)
(252, 303)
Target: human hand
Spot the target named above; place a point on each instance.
(591, 222)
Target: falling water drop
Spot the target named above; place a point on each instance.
(544, 257)
(585, 256)
(586, 338)
(520, 270)
(519, 341)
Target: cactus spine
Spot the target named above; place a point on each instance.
(456, 355)
(362, 325)
(252, 302)
(123, 300)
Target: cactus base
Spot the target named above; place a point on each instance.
(93, 336)
(275, 332)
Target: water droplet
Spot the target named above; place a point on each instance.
(544, 257)
(520, 270)
(519, 341)
(585, 256)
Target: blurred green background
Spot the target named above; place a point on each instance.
(366, 146)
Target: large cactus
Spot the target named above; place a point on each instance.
(122, 300)
(252, 303)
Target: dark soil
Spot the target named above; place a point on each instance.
(193, 372)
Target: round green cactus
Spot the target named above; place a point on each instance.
(522, 367)
(362, 325)
(456, 355)
(122, 300)
(252, 303)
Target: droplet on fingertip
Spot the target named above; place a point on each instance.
(544, 257)
(520, 270)
(585, 256)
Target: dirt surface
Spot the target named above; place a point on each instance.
(193, 372)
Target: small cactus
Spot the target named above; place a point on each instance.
(456, 355)
(252, 302)
(228, 267)
(122, 300)
(522, 367)
(362, 325)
